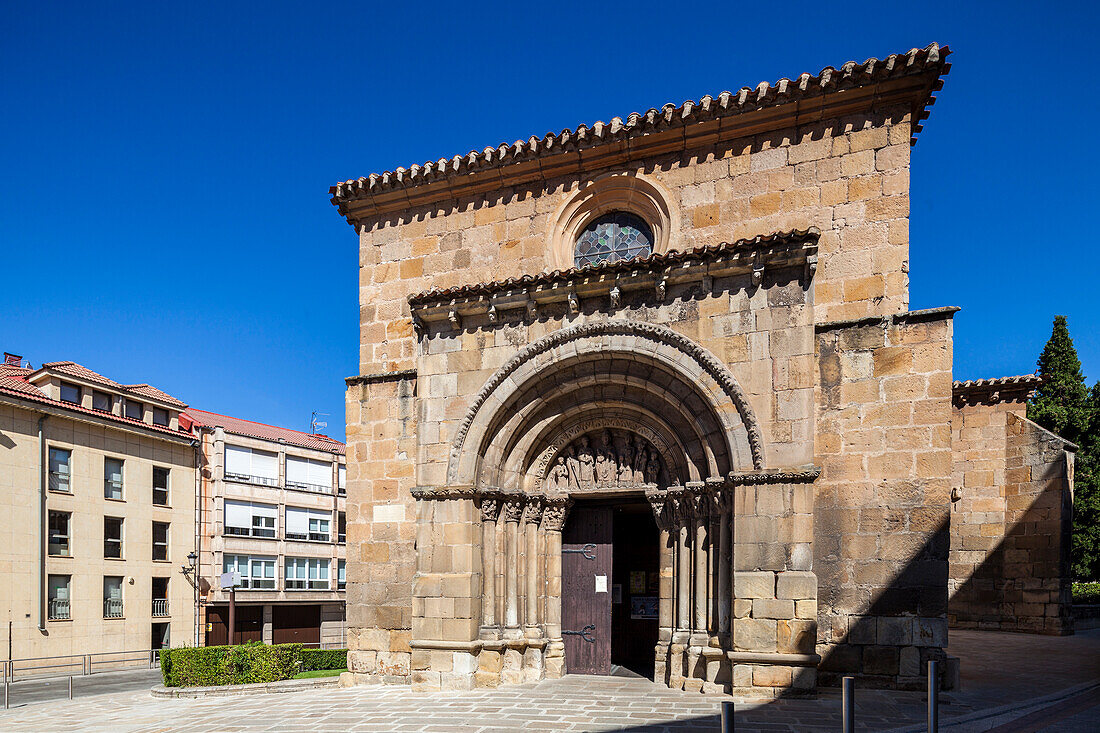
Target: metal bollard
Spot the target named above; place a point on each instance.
(727, 717)
(70, 687)
(933, 697)
(848, 705)
(5, 689)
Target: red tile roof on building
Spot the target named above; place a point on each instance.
(931, 59)
(15, 384)
(251, 429)
(81, 372)
(151, 392)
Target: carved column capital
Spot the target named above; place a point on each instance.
(663, 509)
(532, 512)
(555, 510)
(489, 504)
(513, 506)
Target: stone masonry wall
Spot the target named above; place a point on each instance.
(882, 505)
(1010, 527)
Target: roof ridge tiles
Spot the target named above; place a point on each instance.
(915, 61)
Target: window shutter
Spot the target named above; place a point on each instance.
(265, 465)
(238, 514)
(238, 460)
(343, 476)
(265, 510)
(297, 520)
(320, 473)
(297, 470)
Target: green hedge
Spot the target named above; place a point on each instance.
(313, 659)
(244, 663)
(1086, 592)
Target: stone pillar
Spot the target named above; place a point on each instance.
(531, 517)
(725, 569)
(696, 672)
(662, 512)
(553, 519)
(678, 662)
(513, 512)
(490, 510)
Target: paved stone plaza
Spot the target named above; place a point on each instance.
(1002, 675)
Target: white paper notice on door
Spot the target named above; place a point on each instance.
(601, 583)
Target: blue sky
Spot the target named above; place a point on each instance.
(164, 212)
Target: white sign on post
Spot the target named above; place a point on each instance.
(230, 580)
(601, 583)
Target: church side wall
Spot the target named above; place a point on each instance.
(881, 511)
(1010, 527)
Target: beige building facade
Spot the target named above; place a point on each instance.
(650, 394)
(272, 509)
(97, 486)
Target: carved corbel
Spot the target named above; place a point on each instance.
(493, 313)
(811, 266)
(757, 270)
(532, 309)
(574, 302)
(418, 324)
(662, 288)
(455, 319)
(616, 296)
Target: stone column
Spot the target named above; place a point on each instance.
(683, 566)
(553, 519)
(662, 512)
(531, 517)
(699, 527)
(513, 512)
(490, 510)
(725, 567)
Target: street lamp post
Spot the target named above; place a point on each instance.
(188, 571)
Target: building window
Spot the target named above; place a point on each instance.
(160, 416)
(134, 409)
(341, 575)
(112, 538)
(308, 524)
(58, 597)
(60, 469)
(341, 527)
(250, 520)
(253, 466)
(341, 481)
(257, 573)
(101, 401)
(308, 475)
(160, 540)
(70, 393)
(160, 486)
(112, 596)
(112, 478)
(160, 597)
(306, 573)
(613, 237)
(59, 533)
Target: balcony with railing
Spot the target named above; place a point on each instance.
(315, 488)
(262, 532)
(249, 479)
(160, 607)
(58, 609)
(112, 608)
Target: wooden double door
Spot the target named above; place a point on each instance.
(609, 588)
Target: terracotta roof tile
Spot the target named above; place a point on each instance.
(81, 372)
(1032, 381)
(932, 58)
(252, 429)
(147, 390)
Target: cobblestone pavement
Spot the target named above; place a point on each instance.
(1001, 669)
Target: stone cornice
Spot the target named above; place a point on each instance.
(394, 376)
(522, 296)
(899, 79)
(917, 316)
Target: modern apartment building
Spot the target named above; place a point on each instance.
(272, 509)
(97, 494)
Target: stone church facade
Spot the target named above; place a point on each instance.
(649, 394)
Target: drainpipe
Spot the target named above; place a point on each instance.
(43, 476)
(198, 444)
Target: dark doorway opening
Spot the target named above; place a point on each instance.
(248, 624)
(610, 588)
(296, 625)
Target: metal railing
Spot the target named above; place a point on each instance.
(160, 607)
(112, 608)
(58, 609)
(247, 478)
(78, 664)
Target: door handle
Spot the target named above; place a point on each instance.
(588, 551)
(585, 633)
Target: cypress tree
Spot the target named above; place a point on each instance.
(1062, 403)
(1065, 405)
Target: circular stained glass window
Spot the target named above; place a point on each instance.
(613, 237)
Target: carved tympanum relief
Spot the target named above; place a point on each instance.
(605, 458)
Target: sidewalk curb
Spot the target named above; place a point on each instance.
(235, 690)
(1031, 705)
